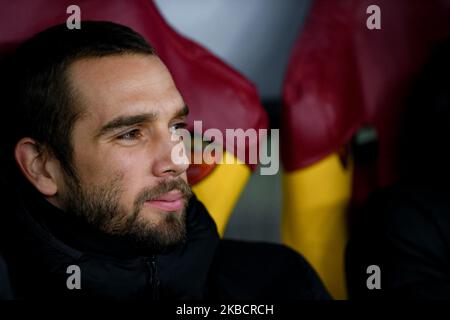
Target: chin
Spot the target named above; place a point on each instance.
(163, 229)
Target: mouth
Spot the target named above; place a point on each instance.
(170, 201)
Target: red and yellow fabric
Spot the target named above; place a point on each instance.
(343, 76)
(221, 188)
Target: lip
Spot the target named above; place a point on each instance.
(171, 201)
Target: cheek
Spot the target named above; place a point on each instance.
(184, 176)
(135, 172)
(100, 166)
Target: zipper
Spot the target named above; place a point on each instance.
(154, 280)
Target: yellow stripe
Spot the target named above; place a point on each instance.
(314, 220)
(221, 189)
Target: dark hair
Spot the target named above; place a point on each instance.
(38, 99)
(425, 160)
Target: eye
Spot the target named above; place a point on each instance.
(178, 125)
(131, 135)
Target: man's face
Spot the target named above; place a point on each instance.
(128, 184)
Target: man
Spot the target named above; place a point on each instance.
(99, 209)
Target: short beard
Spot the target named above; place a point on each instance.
(100, 207)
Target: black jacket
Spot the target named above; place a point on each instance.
(406, 232)
(5, 289)
(40, 242)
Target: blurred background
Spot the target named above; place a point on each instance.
(335, 77)
(256, 38)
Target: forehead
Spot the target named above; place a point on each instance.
(123, 85)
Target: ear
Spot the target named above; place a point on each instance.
(38, 166)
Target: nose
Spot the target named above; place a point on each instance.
(164, 164)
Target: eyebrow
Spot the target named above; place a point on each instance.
(127, 121)
(183, 112)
